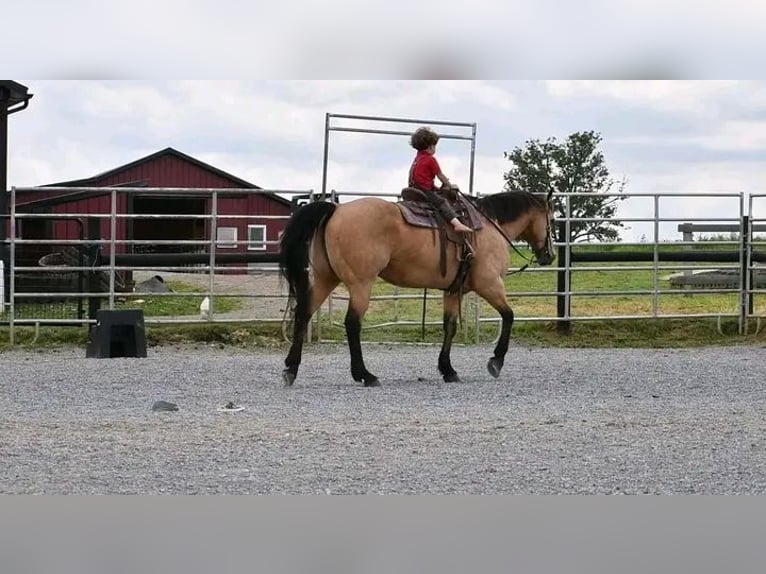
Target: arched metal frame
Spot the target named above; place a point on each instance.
(329, 127)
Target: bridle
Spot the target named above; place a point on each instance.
(508, 239)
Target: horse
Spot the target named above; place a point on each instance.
(325, 244)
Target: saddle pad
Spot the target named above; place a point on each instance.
(418, 214)
(422, 214)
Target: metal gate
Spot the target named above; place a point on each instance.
(559, 290)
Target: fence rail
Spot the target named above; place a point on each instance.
(105, 261)
(105, 257)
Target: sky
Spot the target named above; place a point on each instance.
(670, 136)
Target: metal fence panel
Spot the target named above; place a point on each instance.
(663, 241)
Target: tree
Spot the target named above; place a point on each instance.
(574, 165)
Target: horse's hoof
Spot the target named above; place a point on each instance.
(494, 367)
(372, 382)
(453, 378)
(288, 378)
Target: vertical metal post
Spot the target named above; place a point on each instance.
(82, 262)
(12, 277)
(112, 246)
(326, 153)
(656, 258)
(563, 325)
(318, 315)
(331, 298)
(471, 169)
(11, 94)
(94, 251)
(750, 270)
(688, 236)
(568, 278)
(4, 100)
(744, 278)
(473, 159)
(213, 237)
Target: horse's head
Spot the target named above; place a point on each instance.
(539, 233)
(523, 215)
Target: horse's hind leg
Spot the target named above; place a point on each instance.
(321, 288)
(494, 293)
(451, 307)
(359, 301)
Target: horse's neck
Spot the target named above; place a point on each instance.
(513, 229)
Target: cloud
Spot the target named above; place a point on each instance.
(685, 97)
(736, 136)
(287, 112)
(84, 128)
(708, 191)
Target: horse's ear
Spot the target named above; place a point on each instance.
(550, 195)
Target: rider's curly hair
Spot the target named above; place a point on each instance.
(423, 138)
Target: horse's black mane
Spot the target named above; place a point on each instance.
(509, 205)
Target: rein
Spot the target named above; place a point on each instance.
(503, 234)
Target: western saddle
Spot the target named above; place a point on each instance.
(420, 209)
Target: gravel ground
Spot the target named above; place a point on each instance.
(557, 421)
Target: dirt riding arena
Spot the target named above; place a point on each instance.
(557, 421)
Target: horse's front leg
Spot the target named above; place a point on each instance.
(494, 293)
(451, 308)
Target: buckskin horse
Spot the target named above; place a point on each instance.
(325, 244)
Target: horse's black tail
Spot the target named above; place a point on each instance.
(294, 249)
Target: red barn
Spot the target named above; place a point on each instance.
(167, 168)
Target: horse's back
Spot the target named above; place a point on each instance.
(372, 205)
(359, 238)
(368, 214)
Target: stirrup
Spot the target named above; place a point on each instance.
(468, 252)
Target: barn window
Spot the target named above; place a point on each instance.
(256, 237)
(226, 237)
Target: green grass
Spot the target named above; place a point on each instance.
(152, 305)
(539, 307)
(170, 306)
(219, 334)
(642, 332)
(667, 333)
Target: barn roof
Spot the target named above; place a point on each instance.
(169, 151)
